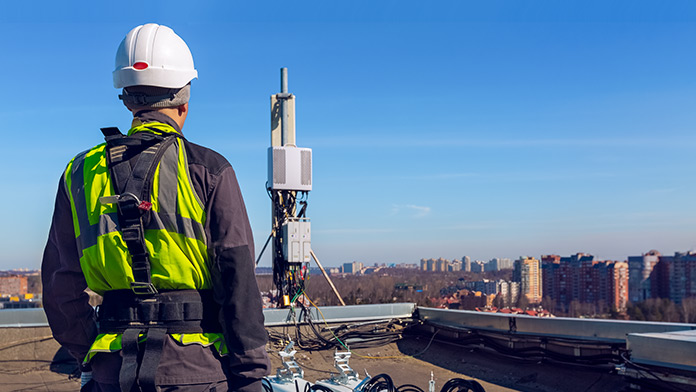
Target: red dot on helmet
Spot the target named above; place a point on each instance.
(140, 65)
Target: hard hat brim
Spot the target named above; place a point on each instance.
(159, 77)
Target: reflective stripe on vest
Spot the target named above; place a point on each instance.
(111, 342)
(175, 235)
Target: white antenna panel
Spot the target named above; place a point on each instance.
(290, 168)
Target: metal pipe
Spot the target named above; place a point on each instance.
(284, 112)
(327, 277)
(283, 80)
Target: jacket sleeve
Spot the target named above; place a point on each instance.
(232, 255)
(65, 301)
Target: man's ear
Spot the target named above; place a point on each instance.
(182, 108)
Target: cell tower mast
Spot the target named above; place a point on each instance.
(289, 183)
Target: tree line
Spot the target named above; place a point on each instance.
(380, 287)
(662, 309)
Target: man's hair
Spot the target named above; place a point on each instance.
(150, 97)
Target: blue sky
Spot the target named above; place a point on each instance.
(439, 129)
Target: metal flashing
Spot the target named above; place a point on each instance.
(610, 331)
(20, 318)
(339, 314)
(669, 349)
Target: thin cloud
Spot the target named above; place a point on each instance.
(417, 211)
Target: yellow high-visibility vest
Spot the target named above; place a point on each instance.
(175, 235)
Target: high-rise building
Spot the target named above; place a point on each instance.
(552, 287)
(491, 265)
(431, 264)
(527, 271)
(477, 266)
(455, 266)
(441, 265)
(618, 284)
(466, 261)
(674, 277)
(497, 264)
(509, 292)
(583, 279)
(561, 275)
(683, 279)
(504, 263)
(659, 277)
(639, 270)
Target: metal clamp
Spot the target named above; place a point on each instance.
(141, 288)
(290, 369)
(346, 373)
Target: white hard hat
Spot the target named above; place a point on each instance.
(153, 55)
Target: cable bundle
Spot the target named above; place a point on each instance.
(289, 278)
(354, 335)
(462, 385)
(380, 383)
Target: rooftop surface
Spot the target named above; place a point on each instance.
(441, 343)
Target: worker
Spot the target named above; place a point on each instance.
(157, 226)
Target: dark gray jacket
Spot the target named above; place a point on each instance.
(231, 248)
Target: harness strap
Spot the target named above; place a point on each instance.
(141, 176)
(151, 358)
(132, 184)
(129, 365)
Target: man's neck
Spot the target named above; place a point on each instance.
(178, 114)
(175, 114)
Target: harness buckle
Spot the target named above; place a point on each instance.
(142, 288)
(109, 199)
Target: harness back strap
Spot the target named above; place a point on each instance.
(144, 374)
(132, 184)
(129, 364)
(151, 358)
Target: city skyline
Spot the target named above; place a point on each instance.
(491, 130)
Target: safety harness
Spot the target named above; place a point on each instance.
(143, 309)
